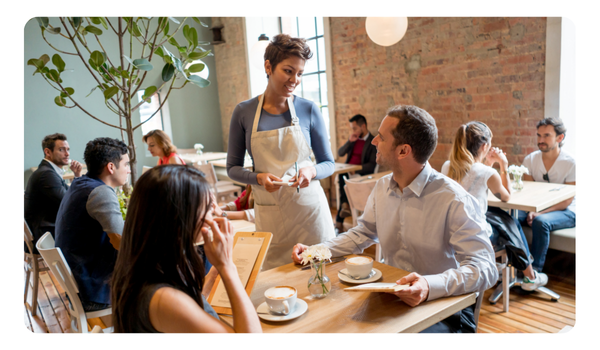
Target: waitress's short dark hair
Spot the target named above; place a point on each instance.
(283, 46)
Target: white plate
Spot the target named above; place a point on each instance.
(299, 310)
(347, 279)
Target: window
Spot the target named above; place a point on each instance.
(146, 110)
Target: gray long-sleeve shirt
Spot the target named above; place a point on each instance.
(433, 227)
(240, 133)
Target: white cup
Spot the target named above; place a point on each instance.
(359, 266)
(281, 300)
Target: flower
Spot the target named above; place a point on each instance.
(316, 253)
(518, 170)
(198, 146)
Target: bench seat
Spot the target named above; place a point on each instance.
(563, 240)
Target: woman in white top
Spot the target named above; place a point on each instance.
(470, 164)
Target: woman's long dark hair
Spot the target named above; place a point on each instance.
(165, 213)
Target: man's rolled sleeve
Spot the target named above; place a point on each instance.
(103, 206)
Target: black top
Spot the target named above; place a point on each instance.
(139, 317)
(45, 190)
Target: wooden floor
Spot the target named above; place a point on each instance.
(529, 313)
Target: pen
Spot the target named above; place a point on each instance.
(297, 179)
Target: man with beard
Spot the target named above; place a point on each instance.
(46, 188)
(554, 165)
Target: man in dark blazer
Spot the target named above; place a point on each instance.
(360, 151)
(46, 187)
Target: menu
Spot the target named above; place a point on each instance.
(245, 254)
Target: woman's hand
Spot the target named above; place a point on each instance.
(497, 155)
(304, 176)
(218, 241)
(266, 181)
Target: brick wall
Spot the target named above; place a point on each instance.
(458, 69)
(231, 70)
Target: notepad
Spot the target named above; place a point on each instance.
(378, 287)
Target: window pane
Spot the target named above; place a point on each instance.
(289, 26)
(146, 111)
(320, 30)
(311, 88)
(311, 65)
(321, 48)
(325, 113)
(307, 27)
(323, 78)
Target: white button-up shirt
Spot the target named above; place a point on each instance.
(58, 169)
(433, 227)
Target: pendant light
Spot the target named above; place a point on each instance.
(386, 31)
(257, 53)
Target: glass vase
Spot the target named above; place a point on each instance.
(199, 152)
(319, 284)
(517, 182)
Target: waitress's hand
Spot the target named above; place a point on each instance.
(304, 176)
(218, 241)
(296, 251)
(266, 181)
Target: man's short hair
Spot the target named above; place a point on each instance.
(359, 119)
(50, 140)
(101, 151)
(416, 128)
(559, 127)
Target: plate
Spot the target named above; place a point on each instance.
(299, 310)
(373, 278)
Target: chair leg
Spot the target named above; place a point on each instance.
(27, 278)
(36, 282)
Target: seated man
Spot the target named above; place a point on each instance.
(360, 151)
(555, 165)
(89, 222)
(425, 222)
(46, 187)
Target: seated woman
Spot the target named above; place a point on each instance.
(472, 145)
(158, 283)
(160, 145)
(240, 209)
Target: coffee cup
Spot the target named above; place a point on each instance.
(359, 266)
(281, 300)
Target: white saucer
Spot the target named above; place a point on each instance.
(299, 310)
(347, 279)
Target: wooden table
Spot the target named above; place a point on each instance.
(204, 157)
(222, 163)
(352, 312)
(243, 225)
(535, 196)
(340, 168)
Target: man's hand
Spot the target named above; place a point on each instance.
(296, 251)
(352, 137)
(76, 168)
(416, 293)
(530, 216)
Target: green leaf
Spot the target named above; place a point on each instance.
(148, 92)
(76, 22)
(39, 63)
(200, 22)
(70, 91)
(201, 82)
(110, 92)
(58, 62)
(95, 20)
(95, 87)
(125, 74)
(55, 30)
(97, 59)
(162, 22)
(53, 75)
(173, 42)
(186, 29)
(135, 29)
(43, 21)
(167, 72)
(166, 28)
(198, 55)
(60, 101)
(104, 24)
(94, 30)
(159, 52)
(178, 65)
(129, 60)
(143, 64)
(174, 20)
(182, 49)
(195, 68)
(193, 37)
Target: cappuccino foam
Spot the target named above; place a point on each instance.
(359, 260)
(280, 292)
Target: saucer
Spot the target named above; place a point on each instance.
(299, 310)
(373, 278)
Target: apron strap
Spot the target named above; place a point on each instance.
(295, 120)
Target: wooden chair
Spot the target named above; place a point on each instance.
(33, 269)
(221, 189)
(358, 192)
(60, 269)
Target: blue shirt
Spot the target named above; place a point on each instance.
(240, 134)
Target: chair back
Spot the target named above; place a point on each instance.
(209, 173)
(57, 263)
(28, 237)
(186, 150)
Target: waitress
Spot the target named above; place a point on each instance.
(278, 130)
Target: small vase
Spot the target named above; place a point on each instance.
(319, 284)
(199, 152)
(517, 182)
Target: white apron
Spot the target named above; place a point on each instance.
(290, 216)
